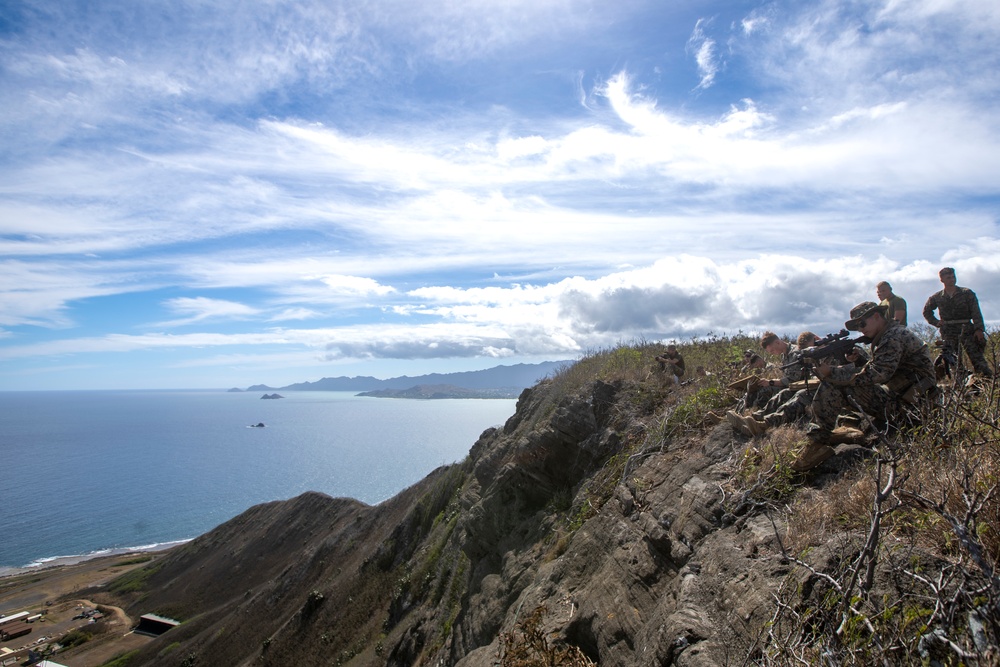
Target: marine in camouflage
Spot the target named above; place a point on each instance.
(900, 366)
(959, 318)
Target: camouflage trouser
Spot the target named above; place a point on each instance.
(832, 401)
(756, 400)
(961, 336)
(792, 409)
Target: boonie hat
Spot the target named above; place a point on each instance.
(861, 311)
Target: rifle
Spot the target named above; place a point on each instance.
(836, 345)
(946, 359)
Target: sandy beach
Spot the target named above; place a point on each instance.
(30, 587)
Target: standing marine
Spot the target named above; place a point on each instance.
(895, 303)
(960, 320)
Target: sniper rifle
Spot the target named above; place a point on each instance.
(836, 346)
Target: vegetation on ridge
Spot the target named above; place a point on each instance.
(917, 515)
(888, 553)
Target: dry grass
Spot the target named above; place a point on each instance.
(762, 474)
(949, 465)
(528, 645)
(635, 361)
(915, 531)
(818, 514)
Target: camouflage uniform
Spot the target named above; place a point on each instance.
(787, 406)
(792, 370)
(960, 319)
(900, 362)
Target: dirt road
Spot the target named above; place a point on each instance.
(50, 591)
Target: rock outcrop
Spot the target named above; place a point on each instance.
(619, 536)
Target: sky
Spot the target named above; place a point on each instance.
(219, 193)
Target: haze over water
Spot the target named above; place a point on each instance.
(89, 471)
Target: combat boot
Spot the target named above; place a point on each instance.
(746, 425)
(811, 456)
(712, 418)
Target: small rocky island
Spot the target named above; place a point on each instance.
(269, 396)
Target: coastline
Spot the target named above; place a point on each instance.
(44, 564)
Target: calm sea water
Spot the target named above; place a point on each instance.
(86, 472)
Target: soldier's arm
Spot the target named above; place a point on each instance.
(900, 313)
(929, 311)
(885, 360)
(840, 375)
(977, 314)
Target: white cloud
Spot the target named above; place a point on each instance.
(674, 297)
(311, 161)
(705, 54)
(200, 309)
(509, 150)
(295, 314)
(755, 21)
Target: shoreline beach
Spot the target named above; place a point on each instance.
(43, 565)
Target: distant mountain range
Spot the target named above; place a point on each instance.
(487, 382)
(428, 391)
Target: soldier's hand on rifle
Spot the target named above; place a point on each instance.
(853, 355)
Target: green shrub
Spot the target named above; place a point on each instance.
(75, 638)
(121, 660)
(134, 581)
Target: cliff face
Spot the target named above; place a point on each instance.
(659, 574)
(583, 518)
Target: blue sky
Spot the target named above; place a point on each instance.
(212, 194)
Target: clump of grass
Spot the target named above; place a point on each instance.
(121, 660)
(762, 474)
(75, 638)
(527, 645)
(913, 531)
(138, 560)
(134, 581)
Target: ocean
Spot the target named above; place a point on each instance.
(86, 473)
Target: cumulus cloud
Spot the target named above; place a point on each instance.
(677, 297)
(434, 348)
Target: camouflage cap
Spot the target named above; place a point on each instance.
(861, 311)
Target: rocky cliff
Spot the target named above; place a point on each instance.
(609, 521)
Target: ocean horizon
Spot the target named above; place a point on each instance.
(93, 473)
